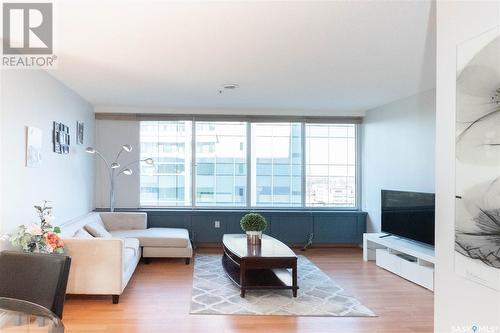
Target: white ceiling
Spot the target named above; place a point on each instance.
(328, 56)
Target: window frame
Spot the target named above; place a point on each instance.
(263, 119)
(194, 167)
(357, 172)
(302, 173)
(140, 169)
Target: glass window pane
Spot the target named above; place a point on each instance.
(331, 165)
(276, 164)
(221, 163)
(316, 150)
(338, 131)
(168, 181)
(337, 151)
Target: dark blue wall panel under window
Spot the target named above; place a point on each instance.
(203, 228)
(340, 228)
(292, 227)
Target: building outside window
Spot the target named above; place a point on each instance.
(331, 165)
(292, 164)
(276, 164)
(221, 153)
(168, 143)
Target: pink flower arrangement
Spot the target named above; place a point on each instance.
(53, 241)
(39, 237)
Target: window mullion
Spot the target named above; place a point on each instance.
(357, 167)
(249, 165)
(193, 163)
(303, 169)
(158, 159)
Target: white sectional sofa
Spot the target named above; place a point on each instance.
(105, 249)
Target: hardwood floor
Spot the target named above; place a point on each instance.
(158, 296)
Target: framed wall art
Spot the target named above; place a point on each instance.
(477, 163)
(61, 138)
(33, 147)
(80, 132)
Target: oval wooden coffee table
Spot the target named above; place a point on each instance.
(272, 265)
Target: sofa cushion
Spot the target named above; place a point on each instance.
(83, 234)
(68, 229)
(158, 237)
(131, 250)
(96, 228)
(129, 256)
(124, 221)
(132, 244)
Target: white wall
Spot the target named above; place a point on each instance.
(34, 98)
(398, 142)
(458, 302)
(110, 136)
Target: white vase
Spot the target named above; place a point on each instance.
(254, 237)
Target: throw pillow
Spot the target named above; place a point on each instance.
(96, 229)
(83, 234)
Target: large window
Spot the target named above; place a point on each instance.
(168, 143)
(276, 164)
(249, 164)
(221, 157)
(330, 165)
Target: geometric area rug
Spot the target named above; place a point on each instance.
(318, 295)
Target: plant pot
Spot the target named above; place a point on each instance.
(254, 250)
(254, 237)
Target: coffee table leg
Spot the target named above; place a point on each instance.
(294, 279)
(242, 278)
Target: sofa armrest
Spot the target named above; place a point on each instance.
(96, 265)
(124, 221)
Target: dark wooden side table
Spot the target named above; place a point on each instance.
(272, 265)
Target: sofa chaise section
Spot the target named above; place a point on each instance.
(155, 242)
(104, 265)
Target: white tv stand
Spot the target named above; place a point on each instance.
(410, 260)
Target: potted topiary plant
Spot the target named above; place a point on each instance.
(253, 224)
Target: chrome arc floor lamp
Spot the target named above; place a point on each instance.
(115, 169)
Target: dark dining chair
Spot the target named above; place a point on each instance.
(34, 277)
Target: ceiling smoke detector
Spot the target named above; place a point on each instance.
(229, 87)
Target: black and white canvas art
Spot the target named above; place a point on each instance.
(477, 213)
(80, 128)
(61, 138)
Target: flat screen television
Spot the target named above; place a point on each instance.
(409, 215)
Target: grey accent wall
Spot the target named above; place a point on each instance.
(110, 136)
(34, 98)
(398, 145)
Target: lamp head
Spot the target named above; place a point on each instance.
(90, 150)
(127, 148)
(115, 165)
(149, 161)
(127, 172)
